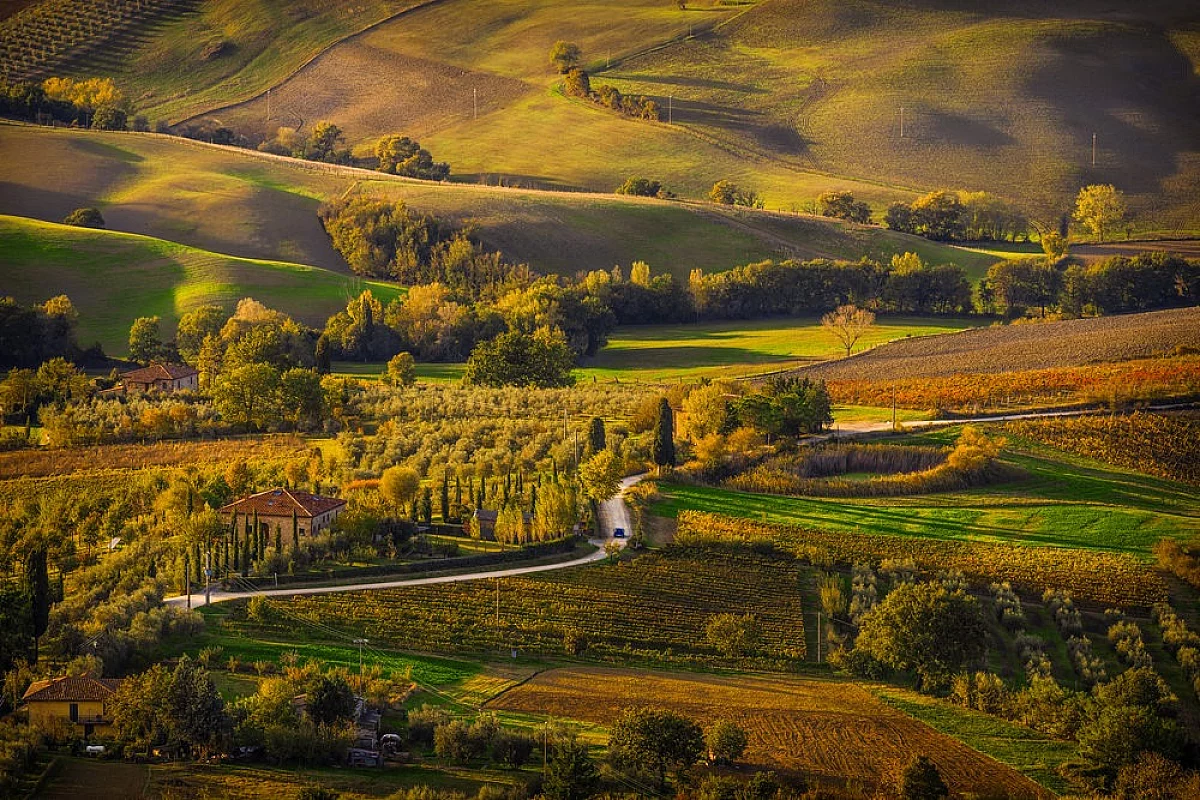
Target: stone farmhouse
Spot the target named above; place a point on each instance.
(276, 509)
(160, 379)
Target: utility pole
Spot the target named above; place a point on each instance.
(901, 122)
(360, 643)
(893, 406)
(1093, 149)
(207, 577)
(670, 108)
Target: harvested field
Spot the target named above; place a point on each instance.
(44, 463)
(369, 90)
(1017, 347)
(821, 728)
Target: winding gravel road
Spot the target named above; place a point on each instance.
(613, 514)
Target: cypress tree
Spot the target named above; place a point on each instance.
(278, 540)
(37, 584)
(187, 571)
(237, 550)
(225, 560)
(256, 550)
(427, 506)
(664, 436)
(197, 567)
(322, 356)
(445, 497)
(533, 500)
(596, 436)
(482, 496)
(457, 491)
(295, 534)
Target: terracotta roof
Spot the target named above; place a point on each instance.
(281, 502)
(159, 372)
(72, 688)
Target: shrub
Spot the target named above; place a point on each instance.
(85, 218)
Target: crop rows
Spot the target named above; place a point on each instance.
(1009, 348)
(1146, 380)
(825, 728)
(1157, 444)
(653, 608)
(38, 39)
(1103, 578)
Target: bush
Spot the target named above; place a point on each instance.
(85, 218)
(643, 187)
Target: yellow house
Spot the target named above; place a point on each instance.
(79, 700)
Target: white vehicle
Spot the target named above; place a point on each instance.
(94, 749)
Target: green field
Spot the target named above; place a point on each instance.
(668, 353)
(231, 201)
(112, 278)
(660, 353)
(1064, 502)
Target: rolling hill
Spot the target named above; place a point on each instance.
(248, 204)
(789, 97)
(113, 278)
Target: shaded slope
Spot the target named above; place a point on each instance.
(112, 278)
(249, 204)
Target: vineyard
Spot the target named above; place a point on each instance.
(1101, 578)
(44, 463)
(654, 608)
(40, 39)
(1157, 444)
(1145, 380)
(822, 728)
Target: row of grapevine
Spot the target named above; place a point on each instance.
(1147, 379)
(1157, 444)
(654, 608)
(39, 39)
(1103, 578)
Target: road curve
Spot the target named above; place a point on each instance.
(613, 513)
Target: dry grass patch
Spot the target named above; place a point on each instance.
(822, 728)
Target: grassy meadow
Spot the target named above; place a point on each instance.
(665, 353)
(1064, 501)
(114, 277)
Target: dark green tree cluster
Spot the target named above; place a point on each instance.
(31, 335)
(644, 187)
(785, 406)
(382, 239)
(842, 205)
(539, 359)
(947, 216)
(93, 102)
(400, 155)
(178, 710)
(325, 142)
(1115, 285)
